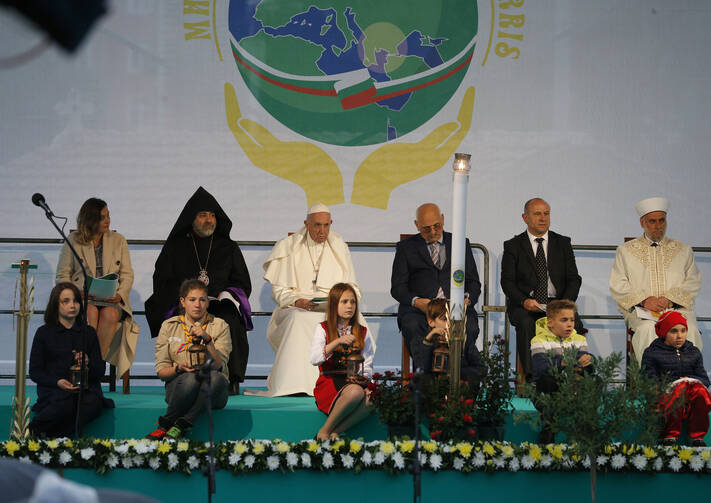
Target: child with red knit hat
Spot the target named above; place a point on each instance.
(672, 355)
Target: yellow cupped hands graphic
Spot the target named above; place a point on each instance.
(299, 162)
(394, 164)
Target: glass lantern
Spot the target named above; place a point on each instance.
(197, 353)
(440, 359)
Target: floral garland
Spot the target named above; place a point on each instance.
(252, 456)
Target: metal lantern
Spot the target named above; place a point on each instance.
(80, 379)
(440, 359)
(197, 353)
(355, 361)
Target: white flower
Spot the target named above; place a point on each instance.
(479, 459)
(546, 460)
(127, 462)
(273, 462)
(527, 462)
(669, 450)
(586, 462)
(696, 463)
(172, 460)
(447, 448)
(398, 460)
(45, 457)
(234, 458)
(458, 463)
(618, 461)
(514, 465)
(249, 461)
(348, 460)
(154, 463)
(499, 462)
(121, 449)
(658, 464)
(292, 459)
(379, 458)
(112, 460)
(327, 460)
(602, 460)
(436, 461)
(639, 462)
(141, 447)
(193, 462)
(138, 460)
(675, 464)
(87, 453)
(306, 460)
(423, 459)
(25, 459)
(366, 458)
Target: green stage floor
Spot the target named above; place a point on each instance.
(287, 418)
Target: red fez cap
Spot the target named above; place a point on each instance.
(667, 320)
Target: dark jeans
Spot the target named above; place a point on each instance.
(56, 418)
(186, 400)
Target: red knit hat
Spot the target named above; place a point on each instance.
(667, 321)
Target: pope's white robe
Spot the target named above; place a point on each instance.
(290, 270)
(642, 271)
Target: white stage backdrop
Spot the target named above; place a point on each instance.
(272, 105)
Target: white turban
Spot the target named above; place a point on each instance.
(652, 204)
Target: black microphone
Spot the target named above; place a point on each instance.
(38, 200)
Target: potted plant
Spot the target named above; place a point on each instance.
(593, 409)
(494, 403)
(451, 417)
(392, 399)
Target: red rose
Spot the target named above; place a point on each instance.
(372, 385)
(377, 375)
(469, 401)
(441, 419)
(471, 432)
(409, 376)
(467, 418)
(435, 434)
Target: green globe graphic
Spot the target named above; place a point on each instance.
(352, 72)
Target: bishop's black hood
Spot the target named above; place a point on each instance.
(202, 200)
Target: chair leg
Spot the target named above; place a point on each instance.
(405, 364)
(126, 382)
(112, 378)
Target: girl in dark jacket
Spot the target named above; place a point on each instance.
(672, 355)
(57, 345)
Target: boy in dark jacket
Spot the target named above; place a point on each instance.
(672, 355)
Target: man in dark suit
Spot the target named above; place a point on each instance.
(421, 272)
(538, 266)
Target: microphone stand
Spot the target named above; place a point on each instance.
(416, 468)
(85, 301)
(205, 377)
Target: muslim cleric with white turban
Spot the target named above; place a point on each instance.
(655, 273)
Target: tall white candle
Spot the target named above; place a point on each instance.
(459, 229)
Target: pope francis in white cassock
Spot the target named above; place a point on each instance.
(652, 274)
(302, 268)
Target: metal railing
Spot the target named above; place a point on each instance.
(486, 308)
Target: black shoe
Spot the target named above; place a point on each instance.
(546, 436)
(698, 442)
(669, 441)
(234, 388)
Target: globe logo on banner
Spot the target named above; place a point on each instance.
(352, 73)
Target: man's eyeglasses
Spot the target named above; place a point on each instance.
(428, 229)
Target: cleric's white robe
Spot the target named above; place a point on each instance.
(642, 271)
(290, 332)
